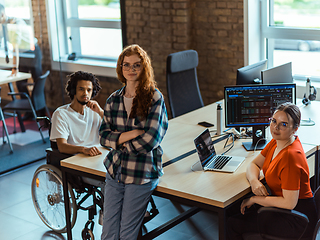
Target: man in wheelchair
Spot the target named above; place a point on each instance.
(74, 129)
(75, 126)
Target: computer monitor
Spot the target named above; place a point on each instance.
(253, 105)
(251, 74)
(279, 74)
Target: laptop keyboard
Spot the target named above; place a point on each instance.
(219, 162)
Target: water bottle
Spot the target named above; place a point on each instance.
(308, 91)
(219, 118)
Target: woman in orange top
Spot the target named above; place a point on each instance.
(286, 172)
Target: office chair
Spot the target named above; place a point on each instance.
(266, 214)
(182, 82)
(35, 103)
(4, 127)
(30, 61)
(316, 234)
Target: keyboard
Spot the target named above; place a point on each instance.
(218, 162)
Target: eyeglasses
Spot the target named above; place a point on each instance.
(281, 125)
(134, 67)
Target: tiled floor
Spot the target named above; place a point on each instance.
(19, 220)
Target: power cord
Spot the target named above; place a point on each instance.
(231, 144)
(255, 147)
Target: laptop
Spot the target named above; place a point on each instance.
(210, 160)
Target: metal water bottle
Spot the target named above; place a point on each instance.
(219, 118)
(308, 91)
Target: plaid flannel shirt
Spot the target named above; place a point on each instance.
(141, 157)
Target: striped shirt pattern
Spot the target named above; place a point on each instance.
(141, 157)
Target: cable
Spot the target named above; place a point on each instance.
(193, 166)
(255, 147)
(232, 144)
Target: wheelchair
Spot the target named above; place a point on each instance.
(48, 198)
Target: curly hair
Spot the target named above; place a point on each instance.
(147, 84)
(73, 78)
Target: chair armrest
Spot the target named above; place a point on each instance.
(283, 211)
(18, 93)
(271, 218)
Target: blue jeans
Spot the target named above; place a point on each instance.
(124, 208)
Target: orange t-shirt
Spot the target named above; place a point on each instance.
(288, 170)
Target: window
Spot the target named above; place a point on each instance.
(290, 32)
(86, 33)
(19, 28)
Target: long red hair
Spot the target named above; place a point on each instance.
(147, 84)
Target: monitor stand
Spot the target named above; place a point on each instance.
(258, 139)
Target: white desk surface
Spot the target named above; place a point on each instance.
(6, 78)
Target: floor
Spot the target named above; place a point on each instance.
(19, 220)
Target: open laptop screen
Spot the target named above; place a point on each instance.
(204, 147)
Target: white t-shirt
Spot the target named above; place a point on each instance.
(77, 129)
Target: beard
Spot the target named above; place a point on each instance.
(82, 102)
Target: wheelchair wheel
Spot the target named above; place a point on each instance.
(48, 200)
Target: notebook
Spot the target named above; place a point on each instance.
(210, 160)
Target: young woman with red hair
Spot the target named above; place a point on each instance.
(134, 124)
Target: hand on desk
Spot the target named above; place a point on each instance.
(93, 151)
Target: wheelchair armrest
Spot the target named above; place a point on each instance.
(47, 121)
(54, 157)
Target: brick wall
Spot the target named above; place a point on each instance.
(213, 28)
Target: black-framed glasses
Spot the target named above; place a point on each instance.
(281, 125)
(134, 67)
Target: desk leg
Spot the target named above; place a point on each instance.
(23, 129)
(222, 224)
(66, 203)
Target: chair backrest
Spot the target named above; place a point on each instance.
(317, 200)
(38, 96)
(182, 82)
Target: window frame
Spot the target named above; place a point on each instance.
(29, 22)
(277, 32)
(57, 12)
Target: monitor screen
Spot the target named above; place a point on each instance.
(253, 105)
(251, 74)
(279, 74)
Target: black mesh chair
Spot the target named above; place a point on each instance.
(4, 127)
(265, 222)
(36, 103)
(182, 82)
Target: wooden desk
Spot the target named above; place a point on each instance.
(213, 191)
(5, 78)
